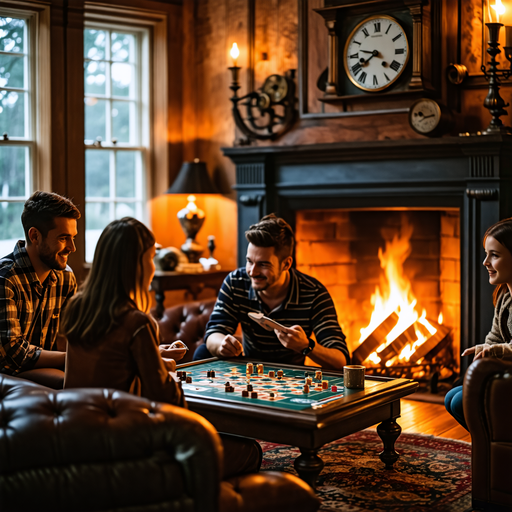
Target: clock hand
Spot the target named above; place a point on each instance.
(374, 53)
(366, 51)
(426, 117)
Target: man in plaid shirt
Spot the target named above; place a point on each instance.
(35, 284)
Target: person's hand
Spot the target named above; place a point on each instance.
(170, 364)
(480, 353)
(230, 347)
(173, 351)
(468, 351)
(294, 338)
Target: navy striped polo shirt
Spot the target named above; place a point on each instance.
(308, 304)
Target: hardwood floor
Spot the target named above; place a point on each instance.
(432, 419)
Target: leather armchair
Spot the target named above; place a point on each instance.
(186, 322)
(100, 449)
(486, 397)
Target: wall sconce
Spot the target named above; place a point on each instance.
(192, 179)
(494, 102)
(261, 120)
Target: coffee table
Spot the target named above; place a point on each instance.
(293, 417)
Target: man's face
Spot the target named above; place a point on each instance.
(54, 249)
(264, 267)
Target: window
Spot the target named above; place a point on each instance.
(16, 127)
(116, 120)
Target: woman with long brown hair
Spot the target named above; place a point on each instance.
(498, 343)
(113, 342)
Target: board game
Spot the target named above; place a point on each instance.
(272, 385)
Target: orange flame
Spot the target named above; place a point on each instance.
(396, 295)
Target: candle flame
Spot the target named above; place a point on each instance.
(234, 52)
(499, 8)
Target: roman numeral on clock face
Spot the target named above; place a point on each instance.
(362, 77)
(388, 28)
(397, 37)
(399, 51)
(375, 81)
(365, 32)
(354, 56)
(395, 66)
(376, 27)
(356, 68)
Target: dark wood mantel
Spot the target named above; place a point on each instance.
(473, 174)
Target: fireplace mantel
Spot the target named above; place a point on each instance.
(473, 174)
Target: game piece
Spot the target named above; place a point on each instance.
(279, 377)
(249, 368)
(318, 375)
(309, 381)
(272, 395)
(271, 374)
(325, 384)
(260, 369)
(183, 376)
(179, 373)
(334, 389)
(213, 374)
(254, 394)
(249, 387)
(209, 374)
(280, 373)
(188, 380)
(305, 389)
(245, 393)
(227, 383)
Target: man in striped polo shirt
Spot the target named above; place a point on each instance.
(269, 285)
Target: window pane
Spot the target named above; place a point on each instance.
(125, 210)
(123, 80)
(12, 71)
(95, 43)
(95, 79)
(11, 229)
(12, 113)
(13, 161)
(123, 47)
(95, 117)
(97, 216)
(97, 173)
(12, 35)
(123, 115)
(126, 162)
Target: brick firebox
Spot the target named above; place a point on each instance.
(340, 248)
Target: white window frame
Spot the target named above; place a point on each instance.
(153, 119)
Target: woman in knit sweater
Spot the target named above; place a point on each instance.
(498, 262)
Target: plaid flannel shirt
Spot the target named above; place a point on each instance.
(21, 340)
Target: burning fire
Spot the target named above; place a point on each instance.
(395, 295)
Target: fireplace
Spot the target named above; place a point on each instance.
(356, 196)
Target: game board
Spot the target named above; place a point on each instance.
(288, 391)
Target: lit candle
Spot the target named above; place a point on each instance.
(508, 34)
(235, 52)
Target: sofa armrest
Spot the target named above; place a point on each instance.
(86, 448)
(486, 396)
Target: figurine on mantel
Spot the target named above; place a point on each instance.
(210, 263)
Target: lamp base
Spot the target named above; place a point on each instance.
(192, 250)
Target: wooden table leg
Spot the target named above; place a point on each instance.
(389, 431)
(309, 465)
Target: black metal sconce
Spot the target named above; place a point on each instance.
(269, 112)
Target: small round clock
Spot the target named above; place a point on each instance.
(427, 117)
(376, 53)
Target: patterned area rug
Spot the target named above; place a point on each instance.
(431, 474)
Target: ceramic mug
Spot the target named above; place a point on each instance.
(353, 376)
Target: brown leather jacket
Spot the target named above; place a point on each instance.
(127, 359)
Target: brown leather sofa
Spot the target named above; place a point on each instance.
(100, 449)
(488, 412)
(186, 322)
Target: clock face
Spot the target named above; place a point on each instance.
(376, 53)
(424, 116)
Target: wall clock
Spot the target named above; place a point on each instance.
(376, 53)
(429, 118)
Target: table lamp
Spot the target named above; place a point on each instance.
(192, 179)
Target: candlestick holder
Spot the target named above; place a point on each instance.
(493, 101)
(262, 120)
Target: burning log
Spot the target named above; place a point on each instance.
(429, 345)
(396, 346)
(375, 339)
